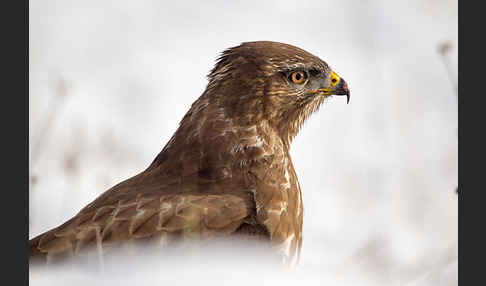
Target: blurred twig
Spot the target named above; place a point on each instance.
(444, 49)
(53, 110)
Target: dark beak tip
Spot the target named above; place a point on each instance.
(346, 89)
(342, 89)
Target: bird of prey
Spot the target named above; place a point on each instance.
(227, 169)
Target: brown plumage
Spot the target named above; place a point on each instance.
(226, 170)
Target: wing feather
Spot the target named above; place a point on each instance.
(182, 214)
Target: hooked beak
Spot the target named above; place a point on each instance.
(341, 89)
(338, 87)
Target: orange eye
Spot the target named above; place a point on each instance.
(298, 77)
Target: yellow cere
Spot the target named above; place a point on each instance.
(334, 81)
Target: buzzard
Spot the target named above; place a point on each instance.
(227, 169)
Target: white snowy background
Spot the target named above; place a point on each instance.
(110, 80)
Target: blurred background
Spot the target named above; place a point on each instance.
(110, 80)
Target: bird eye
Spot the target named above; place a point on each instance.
(298, 77)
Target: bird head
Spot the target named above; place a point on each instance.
(274, 81)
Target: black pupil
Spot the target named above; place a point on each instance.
(333, 80)
(297, 76)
